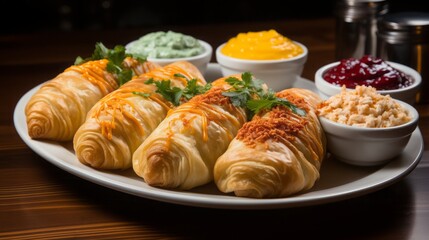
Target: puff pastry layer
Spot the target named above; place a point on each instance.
(182, 150)
(276, 154)
(59, 107)
(120, 121)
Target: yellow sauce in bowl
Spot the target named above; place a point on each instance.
(263, 45)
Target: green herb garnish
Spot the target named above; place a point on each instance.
(171, 94)
(100, 52)
(142, 94)
(251, 94)
(193, 88)
(243, 90)
(116, 58)
(175, 94)
(268, 101)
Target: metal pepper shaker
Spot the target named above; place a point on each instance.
(403, 37)
(356, 27)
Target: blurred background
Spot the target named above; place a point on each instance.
(28, 16)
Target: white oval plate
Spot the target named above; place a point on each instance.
(338, 181)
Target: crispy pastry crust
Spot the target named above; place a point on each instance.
(182, 150)
(277, 154)
(59, 107)
(123, 119)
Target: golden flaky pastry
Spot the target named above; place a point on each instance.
(120, 121)
(60, 106)
(277, 153)
(182, 150)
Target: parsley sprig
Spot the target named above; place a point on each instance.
(251, 94)
(243, 90)
(116, 58)
(176, 94)
(269, 100)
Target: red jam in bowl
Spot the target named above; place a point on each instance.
(368, 71)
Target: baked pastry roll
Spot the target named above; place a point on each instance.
(277, 153)
(181, 152)
(60, 106)
(120, 121)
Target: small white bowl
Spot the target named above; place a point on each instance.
(408, 94)
(200, 61)
(363, 146)
(277, 74)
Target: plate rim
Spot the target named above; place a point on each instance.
(138, 188)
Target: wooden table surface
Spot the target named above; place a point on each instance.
(38, 200)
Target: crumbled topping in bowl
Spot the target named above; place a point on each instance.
(364, 107)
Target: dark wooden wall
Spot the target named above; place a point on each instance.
(28, 16)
